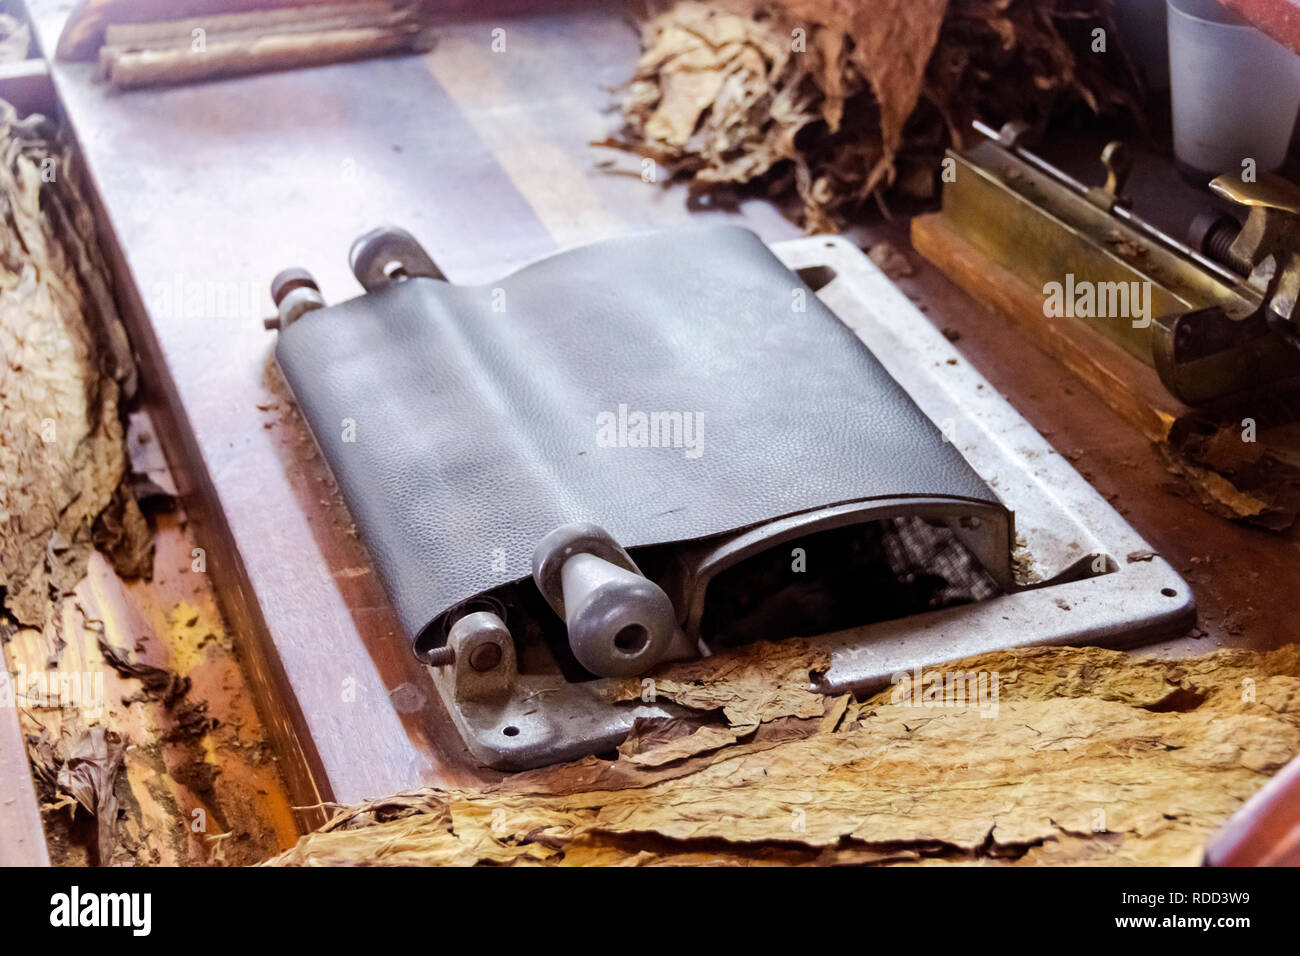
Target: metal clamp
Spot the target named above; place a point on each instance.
(620, 623)
(481, 654)
(1268, 245)
(1119, 163)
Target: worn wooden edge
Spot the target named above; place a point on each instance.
(22, 835)
(349, 710)
(1132, 389)
(286, 726)
(27, 85)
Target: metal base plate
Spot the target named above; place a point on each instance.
(1061, 520)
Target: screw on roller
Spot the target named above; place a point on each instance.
(483, 632)
(440, 656)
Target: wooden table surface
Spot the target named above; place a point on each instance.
(208, 191)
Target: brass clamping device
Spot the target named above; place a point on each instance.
(1222, 308)
(1266, 249)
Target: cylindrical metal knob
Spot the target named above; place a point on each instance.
(620, 623)
(286, 280)
(295, 293)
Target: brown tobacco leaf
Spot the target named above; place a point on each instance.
(750, 685)
(90, 777)
(889, 42)
(595, 773)
(656, 741)
(159, 683)
(1256, 481)
(721, 96)
(1089, 756)
(832, 101)
(64, 363)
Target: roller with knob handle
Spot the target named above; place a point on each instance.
(620, 623)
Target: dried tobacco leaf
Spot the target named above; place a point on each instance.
(754, 684)
(834, 101)
(90, 778)
(158, 683)
(656, 741)
(64, 365)
(1090, 756)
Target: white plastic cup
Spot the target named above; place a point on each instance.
(1235, 90)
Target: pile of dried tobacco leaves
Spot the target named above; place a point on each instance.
(1076, 755)
(65, 366)
(833, 101)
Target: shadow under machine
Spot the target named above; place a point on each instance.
(662, 447)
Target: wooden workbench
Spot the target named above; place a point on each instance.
(206, 192)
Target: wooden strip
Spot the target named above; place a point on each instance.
(165, 33)
(81, 32)
(351, 711)
(22, 841)
(1131, 388)
(181, 65)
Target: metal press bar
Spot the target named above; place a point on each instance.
(1152, 232)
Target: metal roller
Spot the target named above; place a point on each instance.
(620, 623)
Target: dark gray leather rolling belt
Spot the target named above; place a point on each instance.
(667, 388)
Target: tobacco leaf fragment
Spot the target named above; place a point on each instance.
(750, 685)
(891, 262)
(159, 683)
(1256, 481)
(657, 741)
(90, 776)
